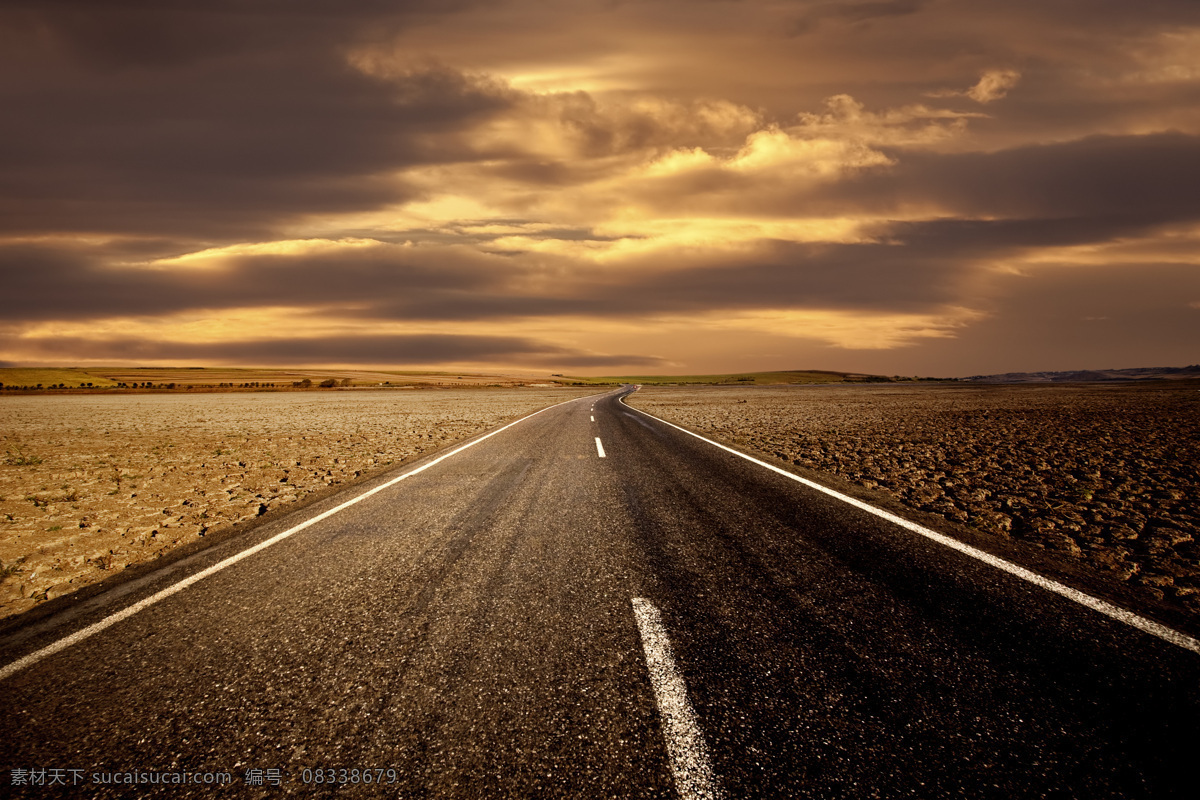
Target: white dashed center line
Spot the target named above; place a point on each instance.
(593, 419)
(599, 447)
(685, 744)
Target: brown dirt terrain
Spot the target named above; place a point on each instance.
(91, 484)
(1104, 476)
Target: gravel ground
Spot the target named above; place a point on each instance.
(91, 484)
(1107, 476)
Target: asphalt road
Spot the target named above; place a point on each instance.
(485, 628)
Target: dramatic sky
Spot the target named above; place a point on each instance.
(934, 187)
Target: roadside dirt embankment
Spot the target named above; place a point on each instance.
(1104, 475)
(92, 484)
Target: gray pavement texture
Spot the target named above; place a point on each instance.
(468, 632)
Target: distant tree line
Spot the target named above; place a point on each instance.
(306, 383)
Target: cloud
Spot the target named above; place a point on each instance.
(344, 350)
(298, 284)
(73, 281)
(1168, 57)
(1102, 316)
(215, 122)
(582, 125)
(154, 34)
(771, 161)
(857, 13)
(1011, 203)
(994, 84)
(1099, 187)
(655, 174)
(340, 290)
(740, 172)
(907, 126)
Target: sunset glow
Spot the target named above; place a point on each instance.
(940, 188)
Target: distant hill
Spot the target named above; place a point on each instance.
(736, 378)
(1093, 375)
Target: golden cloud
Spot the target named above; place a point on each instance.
(851, 330)
(994, 85)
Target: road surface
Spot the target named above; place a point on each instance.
(591, 603)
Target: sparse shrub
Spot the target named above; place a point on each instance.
(17, 457)
(7, 572)
(328, 383)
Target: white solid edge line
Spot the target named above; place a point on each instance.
(599, 447)
(685, 744)
(1096, 604)
(91, 630)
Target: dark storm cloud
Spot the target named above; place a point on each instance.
(361, 350)
(1131, 179)
(456, 285)
(1113, 15)
(1117, 185)
(212, 121)
(854, 12)
(813, 276)
(46, 282)
(820, 15)
(124, 34)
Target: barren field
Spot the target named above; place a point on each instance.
(1104, 475)
(90, 484)
(51, 379)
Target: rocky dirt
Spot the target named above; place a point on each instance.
(91, 484)
(1106, 476)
